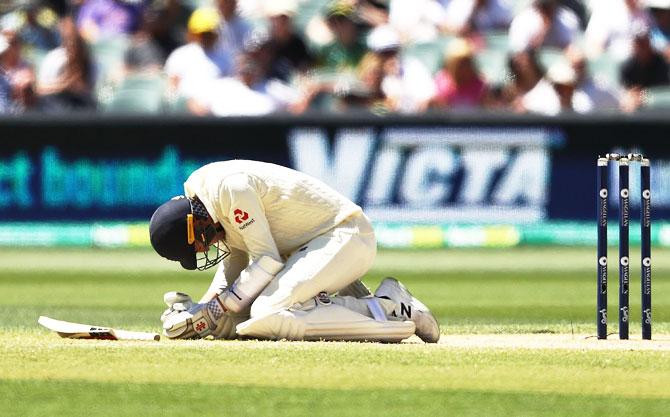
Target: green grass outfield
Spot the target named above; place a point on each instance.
(514, 326)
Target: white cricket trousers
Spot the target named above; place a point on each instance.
(329, 262)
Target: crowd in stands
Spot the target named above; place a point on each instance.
(255, 57)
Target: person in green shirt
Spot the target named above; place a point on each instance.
(348, 46)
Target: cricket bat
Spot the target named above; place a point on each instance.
(86, 331)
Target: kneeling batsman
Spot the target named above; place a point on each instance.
(290, 252)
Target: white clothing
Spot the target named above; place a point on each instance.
(324, 240)
(588, 97)
(51, 66)
(542, 99)
(495, 15)
(231, 97)
(194, 67)
(416, 20)
(329, 262)
(412, 87)
(612, 28)
(528, 24)
(591, 97)
(289, 208)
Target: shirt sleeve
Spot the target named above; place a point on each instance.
(246, 213)
(229, 270)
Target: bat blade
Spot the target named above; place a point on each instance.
(71, 330)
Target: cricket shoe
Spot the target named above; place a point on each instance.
(410, 308)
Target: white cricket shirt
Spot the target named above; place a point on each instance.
(267, 209)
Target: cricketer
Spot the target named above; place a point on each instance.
(291, 252)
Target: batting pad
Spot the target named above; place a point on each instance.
(325, 322)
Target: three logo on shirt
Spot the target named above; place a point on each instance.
(242, 218)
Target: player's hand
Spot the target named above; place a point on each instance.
(176, 302)
(189, 324)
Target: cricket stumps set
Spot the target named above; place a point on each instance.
(624, 162)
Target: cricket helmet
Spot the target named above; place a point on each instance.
(177, 224)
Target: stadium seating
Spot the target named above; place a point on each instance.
(108, 55)
(429, 53)
(550, 56)
(657, 98)
(138, 94)
(492, 64)
(605, 68)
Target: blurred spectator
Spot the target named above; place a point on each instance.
(38, 27)
(645, 68)
(466, 17)
(371, 75)
(142, 85)
(347, 47)
(259, 47)
(407, 83)
(100, 19)
(590, 96)
(373, 12)
(249, 93)
(142, 56)
(581, 9)
(5, 88)
(363, 92)
(458, 83)
(233, 29)
(18, 73)
(545, 23)
(361, 65)
(525, 72)
(165, 21)
(554, 93)
(660, 31)
(60, 7)
(417, 20)
(289, 53)
(612, 26)
(66, 77)
(199, 61)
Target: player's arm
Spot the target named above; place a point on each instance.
(246, 213)
(181, 309)
(226, 274)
